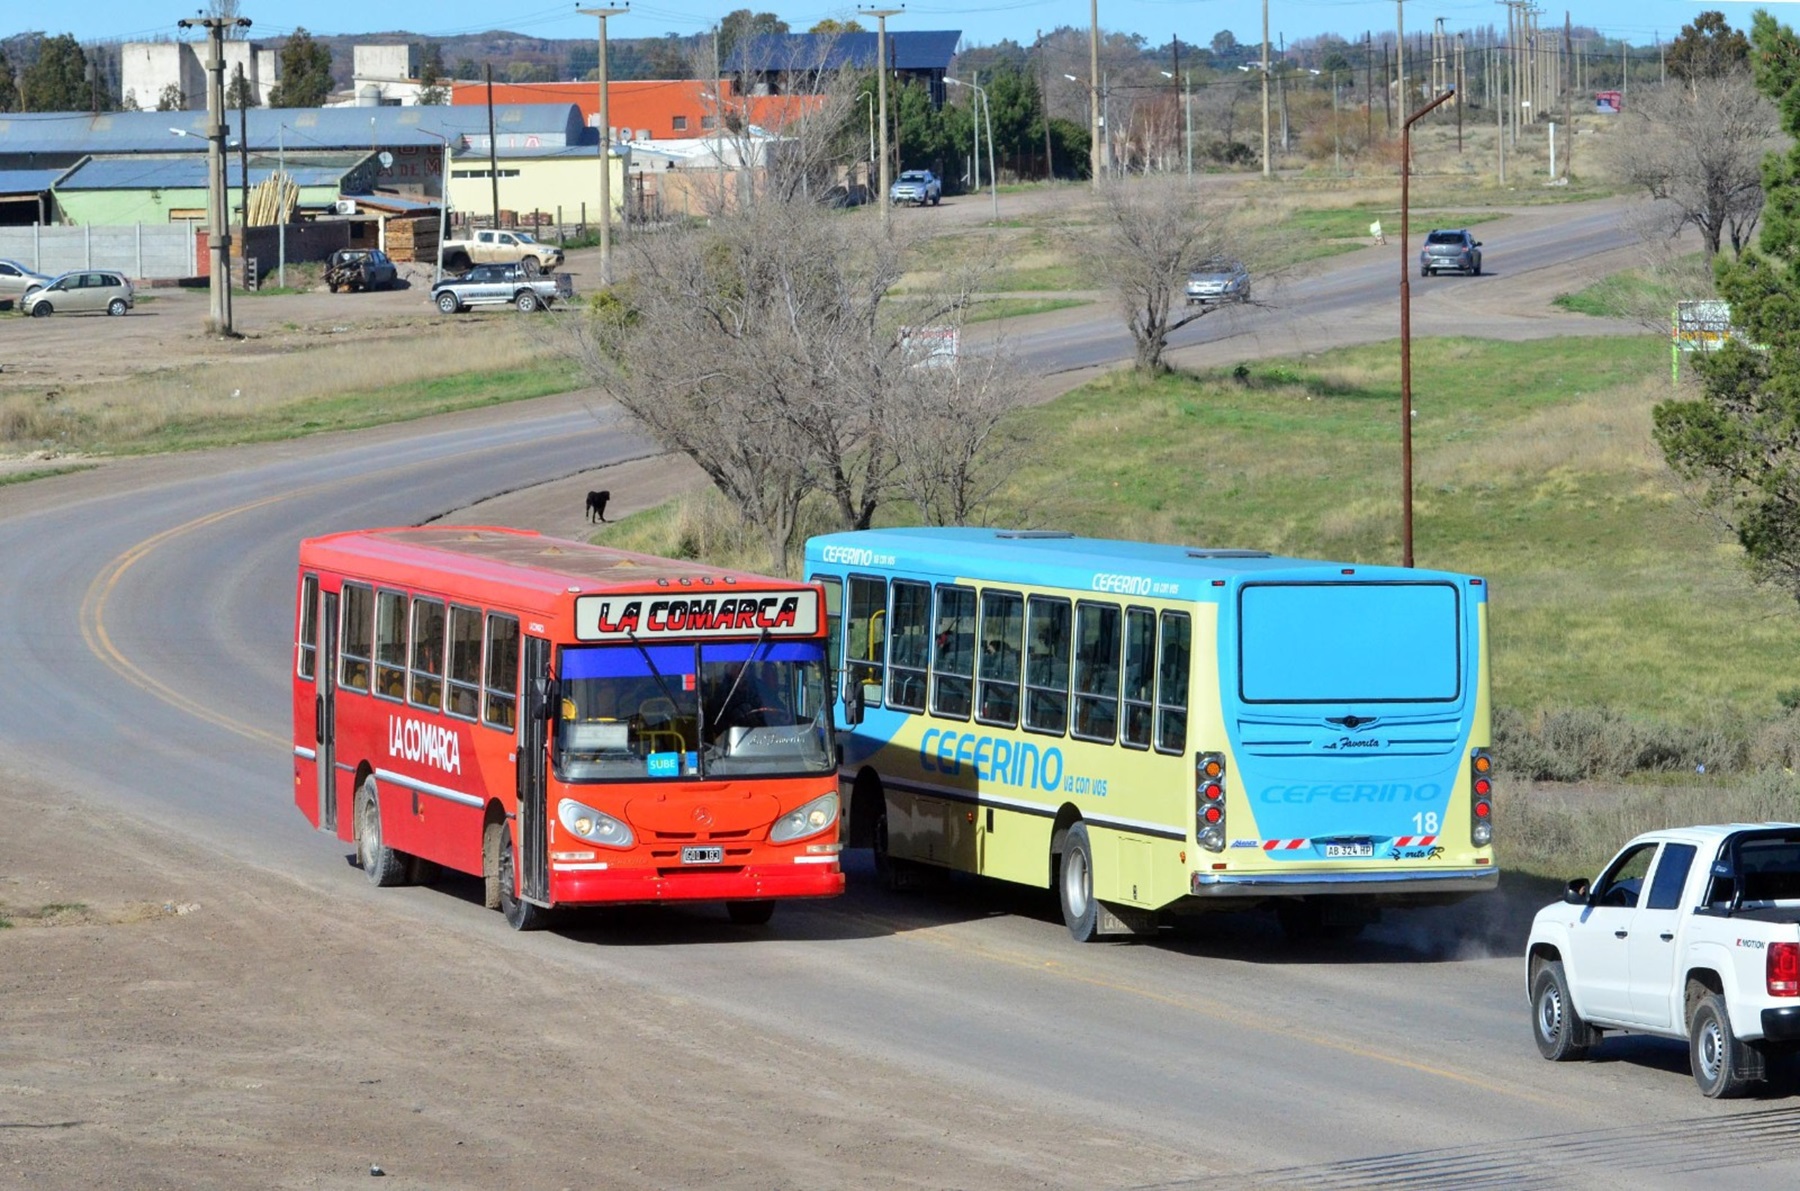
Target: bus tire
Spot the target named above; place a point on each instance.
(1075, 885)
(893, 875)
(381, 864)
(750, 913)
(519, 913)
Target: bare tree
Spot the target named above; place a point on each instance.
(1700, 150)
(1152, 233)
(955, 452)
(765, 347)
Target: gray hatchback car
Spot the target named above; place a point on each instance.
(87, 290)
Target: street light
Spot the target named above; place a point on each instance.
(1406, 411)
(993, 178)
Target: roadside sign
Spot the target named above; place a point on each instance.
(1702, 325)
(930, 347)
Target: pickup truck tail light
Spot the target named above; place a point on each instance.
(1784, 969)
(1209, 801)
(1481, 798)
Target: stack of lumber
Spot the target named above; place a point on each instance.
(272, 201)
(414, 239)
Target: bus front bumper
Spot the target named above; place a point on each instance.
(591, 886)
(1423, 885)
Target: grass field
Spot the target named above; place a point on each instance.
(334, 387)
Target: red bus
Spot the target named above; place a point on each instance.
(576, 725)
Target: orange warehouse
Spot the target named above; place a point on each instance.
(649, 109)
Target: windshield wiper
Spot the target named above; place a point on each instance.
(739, 678)
(661, 682)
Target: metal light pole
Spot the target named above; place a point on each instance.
(881, 67)
(281, 213)
(1268, 167)
(1406, 410)
(218, 231)
(981, 100)
(605, 146)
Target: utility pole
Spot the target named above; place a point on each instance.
(1097, 149)
(605, 116)
(219, 230)
(494, 155)
(1268, 168)
(1399, 66)
(1044, 99)
(1568, 96)
(881, 67)
(1175, 90)
(1368, 86)
(1462, 84)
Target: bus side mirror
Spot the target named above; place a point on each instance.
(549, 698)
(853, 700)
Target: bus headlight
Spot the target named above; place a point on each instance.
(588, 823)
(814, 817)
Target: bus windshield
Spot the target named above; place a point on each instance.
(709, 710)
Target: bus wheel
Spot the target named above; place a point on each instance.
(520, 914)
(893, 875)
(750, 913)
(380, 863)
(1075, 884)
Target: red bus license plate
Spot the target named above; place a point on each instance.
(702, 855)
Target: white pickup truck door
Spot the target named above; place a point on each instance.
(1600, 938)
(1651, 944)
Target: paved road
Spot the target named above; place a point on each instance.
(145, 663)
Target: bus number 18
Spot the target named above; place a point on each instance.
(1425, 824)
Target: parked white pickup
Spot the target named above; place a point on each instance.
(1692, 933)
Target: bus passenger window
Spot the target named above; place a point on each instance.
(1047, 666)
(834, 629)
(864, 634)
(502, 686)
(1002, 633)
(309, 627)
(464, 693)
(1140, 677)
(953, 653)
(909, 645)
(1172, 683)
(390, 644)
(358, 637)
(1097, 672)
(428, 653)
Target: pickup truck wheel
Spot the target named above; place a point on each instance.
(448, 304)
(1721, 1066)
(1560, 1033)
(527, 301)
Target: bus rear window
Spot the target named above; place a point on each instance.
(1349, 643)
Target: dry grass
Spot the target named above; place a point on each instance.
(270, 394)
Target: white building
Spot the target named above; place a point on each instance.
(150, 71)
(382, 76)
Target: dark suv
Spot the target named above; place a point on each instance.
(1458, 250)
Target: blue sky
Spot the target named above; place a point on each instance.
(982, 21)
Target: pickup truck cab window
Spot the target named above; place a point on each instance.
(1622, 883)
(1671, 875)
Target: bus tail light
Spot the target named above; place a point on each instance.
(1209, 801)
(1481, 799)
(1784, 969)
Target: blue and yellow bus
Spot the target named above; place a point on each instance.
(1152, 728)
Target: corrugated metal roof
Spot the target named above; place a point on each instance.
(910, 50)
(27, 181)
(189, 172)
(299, 128)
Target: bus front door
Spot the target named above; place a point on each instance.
(325, 711)
(534, 843)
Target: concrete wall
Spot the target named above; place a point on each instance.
(384, 63)
(147, 67)
(539, 184)
(144, 251)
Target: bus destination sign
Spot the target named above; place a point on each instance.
(722, 614)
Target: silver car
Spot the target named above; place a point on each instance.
(90, 289)
(1218, 281)
(16, 280)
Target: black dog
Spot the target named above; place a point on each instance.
(596, 505)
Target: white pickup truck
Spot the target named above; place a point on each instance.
(1692, 933)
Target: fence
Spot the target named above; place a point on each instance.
(142, 250)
